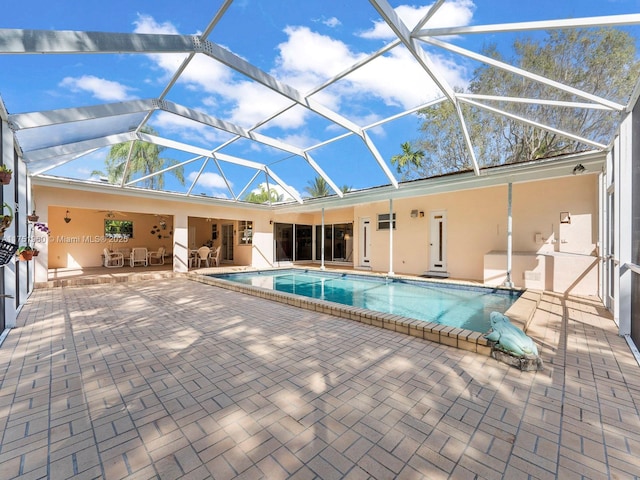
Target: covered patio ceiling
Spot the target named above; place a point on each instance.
(243, 95)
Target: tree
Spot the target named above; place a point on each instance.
(264, 195)
(145, 159)
(318, 187)
(601, 62)
(408, 160)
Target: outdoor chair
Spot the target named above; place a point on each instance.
(215, 256)
(203, 256)
(138, 257)
(113, 259)
(157, 258)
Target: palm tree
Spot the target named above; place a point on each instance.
(317, 187)
(145, 160)
(320, 188)
(264, 195)
(407, 157)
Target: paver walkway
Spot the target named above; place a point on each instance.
(171, 378)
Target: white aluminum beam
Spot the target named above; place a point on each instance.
(321, 172)
(534, 101)
(602, 21)
(399, 28)
(82, 147)
(524, 73)
(539, 125)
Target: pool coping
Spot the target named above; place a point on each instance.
(520, 313)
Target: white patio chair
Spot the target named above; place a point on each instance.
(203, 256)
(112, 259)
(215, 256)
(156, 258)
(138, 257)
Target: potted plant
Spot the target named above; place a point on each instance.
(25, 253)
(33, 217)
(6, 217)
(5, 174)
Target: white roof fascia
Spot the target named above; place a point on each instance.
(602, 21)
(399, 28)
(82, 147)
(321, 172)
(535, 101)
(524, 73)
(542, 126)
(513, 173)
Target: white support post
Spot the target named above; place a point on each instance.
(391, 237)
(624, 222)
(509, 281)
(181, 243)
(322, 243)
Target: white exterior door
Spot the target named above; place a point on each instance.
(365, 241)
(438, 241)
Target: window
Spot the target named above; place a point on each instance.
(118, 228)
(383, 221)
(245, 228)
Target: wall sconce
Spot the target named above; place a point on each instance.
(270, 222)
(421, 215)
(67, 219)
(565, 217)
(579, 169)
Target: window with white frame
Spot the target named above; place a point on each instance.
(245, 228)
(383, 221)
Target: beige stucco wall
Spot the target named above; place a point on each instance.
(549, 254)
(80, 242)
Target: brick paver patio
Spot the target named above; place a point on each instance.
(170, 378)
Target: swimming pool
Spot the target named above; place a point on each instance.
(460, 306)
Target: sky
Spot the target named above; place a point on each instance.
(301, 44)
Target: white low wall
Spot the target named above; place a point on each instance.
(551, 271)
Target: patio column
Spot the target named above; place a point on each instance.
(391, 237)
(508, 282)
(180, 242)
(322, 243)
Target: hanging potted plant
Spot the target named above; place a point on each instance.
(25, 253)
(33, 217)
(5, 174)
(5, 218)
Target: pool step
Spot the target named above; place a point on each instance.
(432, 274)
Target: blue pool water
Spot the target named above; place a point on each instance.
(453, 305)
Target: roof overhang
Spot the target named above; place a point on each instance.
(546, 169)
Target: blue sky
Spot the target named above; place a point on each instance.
(302, 44)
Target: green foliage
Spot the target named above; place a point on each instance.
(145, 160)
(318, 187)
(264, 196)
(601, 62)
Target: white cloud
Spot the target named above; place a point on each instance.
(450, 14)
(100, 88)
(332, 22)
(210, 180)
